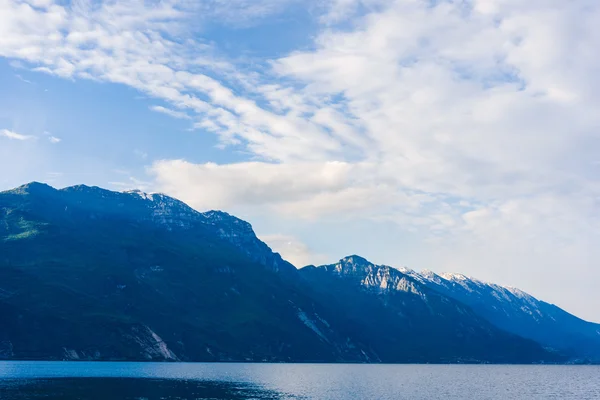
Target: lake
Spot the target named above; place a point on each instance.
(166, 381)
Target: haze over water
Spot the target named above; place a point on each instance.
(129, 381)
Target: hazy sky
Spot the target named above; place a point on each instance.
(451, 135)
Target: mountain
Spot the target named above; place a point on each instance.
(91, 274)
(520, 313)
(410, 320)
(87, 273)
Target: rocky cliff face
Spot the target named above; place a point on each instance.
(378, 278)
(410, 320)
(515, 311)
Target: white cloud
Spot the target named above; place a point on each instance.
(211, 185)
(170, 112)
(14, 135)
(54, 139)
(81, 41)
(339, 10)
(293, 250)
(303, 190)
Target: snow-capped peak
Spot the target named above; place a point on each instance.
(406, 271)
(450, 276)
(143, 195)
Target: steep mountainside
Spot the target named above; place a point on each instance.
(90, 274)
(410, 320)
(87, 273)
(516, 311)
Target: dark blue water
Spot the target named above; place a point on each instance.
(150, 381)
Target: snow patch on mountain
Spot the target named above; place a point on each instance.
(311, 325)
(143, 195)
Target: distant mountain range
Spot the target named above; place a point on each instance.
(91, 274)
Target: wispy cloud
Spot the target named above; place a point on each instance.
(61, 41)
(54, 139)
(16, 64)
(131, 183)
(19, 77)
(245, 12)
(170, 112)
(14, 135)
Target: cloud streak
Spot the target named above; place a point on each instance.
(170, 112)
(14, 135)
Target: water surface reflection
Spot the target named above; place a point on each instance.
(131, 389)
(183, 381)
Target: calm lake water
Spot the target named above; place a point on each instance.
(149, 381)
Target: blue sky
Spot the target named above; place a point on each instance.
(450, 136)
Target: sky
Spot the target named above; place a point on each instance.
(449, 135)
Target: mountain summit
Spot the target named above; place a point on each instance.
(92, 274)
(507, 308)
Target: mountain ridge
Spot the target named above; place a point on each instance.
(382, 295)
(128, 275)
(503, 305)
(235, 230)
